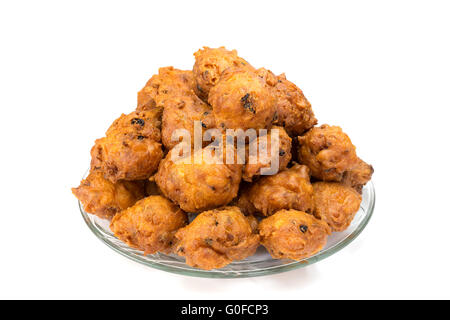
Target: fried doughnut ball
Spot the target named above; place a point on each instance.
(103, 198)
(358, 176)
(210, 63)
(242, 100)
(328, 152)
(294, 111)
(292, 234)
(131, 148)
(149, 225)
(289, 189)
(265, 160)
(196, 187)
(216, 238)
(147, 123)
(168, 82)
(180, 112)
(335, 204)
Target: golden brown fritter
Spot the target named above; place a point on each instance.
(216, 238)
(264, 160)
(149, 225)
(180, 112)
(358, 176)
(289, 189)
(131, 149)
(103, 198)
(294, 111)
(146, 123)
(292, 234)
(168, 82)
(242, 100)
(335, 204)
(328, 152)
(209, 65)
(199, 186)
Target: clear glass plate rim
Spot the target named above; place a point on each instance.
(240, 274)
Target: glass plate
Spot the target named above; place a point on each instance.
(257, 265)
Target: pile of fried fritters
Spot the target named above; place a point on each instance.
(149, 197)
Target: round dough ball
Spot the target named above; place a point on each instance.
(292, 234)
(358, 176)
(284, 154)
(294, 111)
(242, 100)
(131, 148)
(149, 225)
(216, 238)
(168, 82)
(145, 123)
(328, 152)
(289, 189)
(103, 198)
(196, 187)
(180, 112)
(210, 63)
(335, 204)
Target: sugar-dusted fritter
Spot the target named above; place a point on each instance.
(289, 189)
(203, 185)
(180, 112)
(209, 65)
(242, 100)
(294, 111)
(168, 82)
(216, 238)
(328, 152)
(264, 159)
(335, 204)
(131, 149)
(293, 234)
(103, 198)
(358, 176)
(150, 225)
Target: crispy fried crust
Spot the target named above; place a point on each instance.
(209, 65)
(242, 100)
(137, 158)
(335, 204)
(284, 154)
(293, 110)
(103, 198)
(289, 189)
(328, 152)
(168, 82)
(145, 123)
(198, 186)
(180, 112)
(216, 238)
(358, 176)
(292, 234)
(131, 149)
(149, 225)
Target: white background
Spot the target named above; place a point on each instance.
(379, 69)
